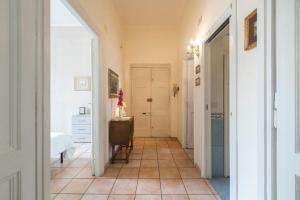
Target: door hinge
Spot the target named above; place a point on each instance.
(275, 106)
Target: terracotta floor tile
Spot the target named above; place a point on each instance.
(149, 163)
(172, 186)
(94, 197)
(132, 163)
(137, 151)
(148, 186)
(166, 163)
(77, 186)
(149, 157)
(148, 172)
(85, 173)
(80, 162)
(52, 196)
(116, 165)
(169, 172)
(129, 173)
(189, 173)
(196, 186)
(150, 151)
(202, 197)
(175, 197)
(111, 172)
(148, 197)
(184, 163)
(68, 197)
(58, 184)
(125, 186)
(101, 186)
(177, 151)
(180, 156)
(135, 156)
(163, 150)
(150, 146)
(54, 171)
(164, 156)
(68, 173)
(121, 197)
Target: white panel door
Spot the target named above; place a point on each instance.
(160, 112)
(141, 108)
(18, 99)
(288, 99)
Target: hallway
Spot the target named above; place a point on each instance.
(158, 169)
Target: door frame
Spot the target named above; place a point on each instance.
(231, 14)
(156, 65)
(43, 94)
(184, 109)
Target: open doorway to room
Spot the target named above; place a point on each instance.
(217, 109)
(74, 99)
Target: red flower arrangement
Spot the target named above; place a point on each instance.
(120, 98)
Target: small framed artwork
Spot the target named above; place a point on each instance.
(113, 84)
(251, 31)
(82, 83)
(197, 69)
(197, 81)
(82, 110)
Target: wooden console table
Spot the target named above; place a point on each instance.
(121, 135)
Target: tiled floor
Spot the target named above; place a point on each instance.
(159, 169)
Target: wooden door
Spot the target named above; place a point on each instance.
(150, 101)
(288, 99)
(141, 108)
(160, 111)
(18, 133)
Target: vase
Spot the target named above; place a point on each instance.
(120, 111)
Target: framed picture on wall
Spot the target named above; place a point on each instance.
(197, 69)
(82, 83)
(251, 31)
(113, 84)
(197, 81)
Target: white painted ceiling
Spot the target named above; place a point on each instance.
(61, 16)
(150, 12)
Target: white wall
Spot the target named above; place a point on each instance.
(249, 63)
(102, 16)
(152, 45)
(70, 58)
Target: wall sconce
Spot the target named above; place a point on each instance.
(193, 48)
(175, 89)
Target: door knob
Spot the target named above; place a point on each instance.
(144, 113)
(149, 100)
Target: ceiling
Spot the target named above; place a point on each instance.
(150, 12)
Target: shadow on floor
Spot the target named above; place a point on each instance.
(221, 185)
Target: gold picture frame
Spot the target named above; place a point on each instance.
(251, 31)
(113, 84)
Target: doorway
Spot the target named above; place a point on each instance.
(76, 153)
(150, 100)
(217, 109)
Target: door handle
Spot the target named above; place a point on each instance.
(144, 113)
(149, 100)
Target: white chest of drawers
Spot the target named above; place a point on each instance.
(81, 128)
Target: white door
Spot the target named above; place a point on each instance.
(141, 106)
(288, 99)
(18, 138)
(150, 101)
(160, 102)
(190, 104)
